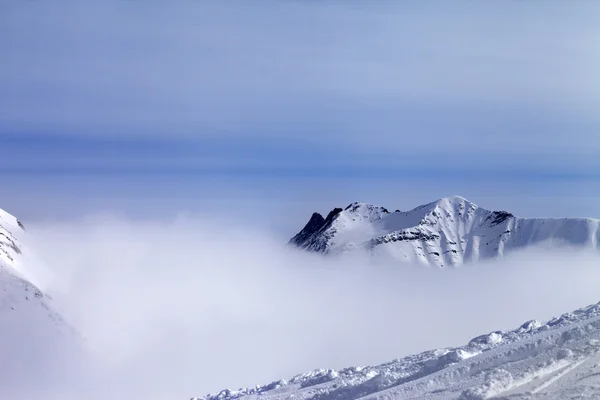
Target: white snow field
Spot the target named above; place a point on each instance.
(558, 359)
(448, 232)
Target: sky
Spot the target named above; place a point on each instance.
(274, 110)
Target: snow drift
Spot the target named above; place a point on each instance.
(557, 359)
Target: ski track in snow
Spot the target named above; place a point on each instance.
(559, 359)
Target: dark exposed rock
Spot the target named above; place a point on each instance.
(400, 236)
(354, 206)
(498, 217)
(314, 224)
(312, 236)
(332, 215)
(11, 243)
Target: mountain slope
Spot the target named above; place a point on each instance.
(447, 232)
(16, 256)
(558, 359)
(32, 333)
(22, 273)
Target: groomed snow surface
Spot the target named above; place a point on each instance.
(558, 359)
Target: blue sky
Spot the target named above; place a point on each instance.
(286, 107)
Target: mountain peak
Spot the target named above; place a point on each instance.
(313, 225)
(447, 232)
(362, 208)
(453, 201)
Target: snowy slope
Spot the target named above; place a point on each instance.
(16, 255)
(558, 359)
(447, 232)
(22, 273)
(23, 305)
(32, 332)
(37, 347)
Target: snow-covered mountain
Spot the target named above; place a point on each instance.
(558, 359)
(30, 326)
(16, 255)
(22, 273)
(448, 232)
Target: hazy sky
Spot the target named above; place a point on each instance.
(276, 109)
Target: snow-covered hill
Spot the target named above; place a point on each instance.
(16, 255)
(448, 232)
(22, 273)
(558, 359)
(32, 332)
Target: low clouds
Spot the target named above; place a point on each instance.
(177, 309)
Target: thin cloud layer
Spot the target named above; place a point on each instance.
(276, 68)
(181, 308)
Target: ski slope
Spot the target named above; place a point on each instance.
(558, 359)
(445, 233)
